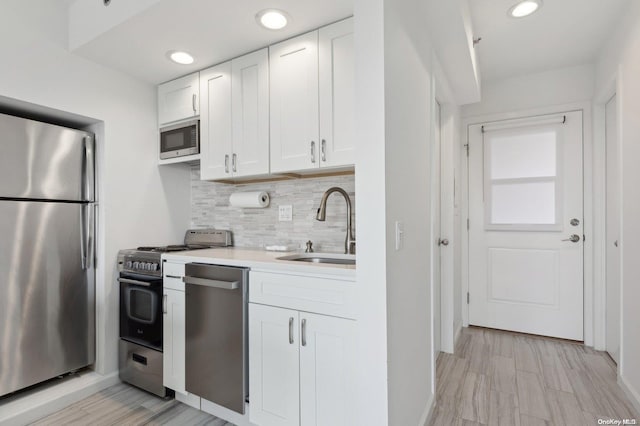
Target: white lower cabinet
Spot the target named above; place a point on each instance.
(173, 335)
(300, 368)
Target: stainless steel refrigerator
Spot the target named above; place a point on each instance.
(47, 276)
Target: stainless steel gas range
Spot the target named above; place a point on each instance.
(141, 307)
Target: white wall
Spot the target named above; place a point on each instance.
(555, 87)
(394, 125)
(140, 204)
(620, 61)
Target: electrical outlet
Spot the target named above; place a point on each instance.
(285, 213)
(399, 235)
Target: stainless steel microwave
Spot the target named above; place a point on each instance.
(180, 139)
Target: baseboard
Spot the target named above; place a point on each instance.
(39, 402)
(632, 393)
(428, 411)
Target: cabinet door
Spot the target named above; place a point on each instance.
(173, 335)
(179, 99)
(274, 374)
(215, 123)
(337, 95)
(327, 363)
(294, 104)
(250, 103)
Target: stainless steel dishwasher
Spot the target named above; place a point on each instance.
(216, 328)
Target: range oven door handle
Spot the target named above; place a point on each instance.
(136, 282)
(225, 285)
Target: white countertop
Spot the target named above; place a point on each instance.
(262, 260)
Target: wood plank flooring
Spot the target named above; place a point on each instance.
(502, 378)
(122, 404)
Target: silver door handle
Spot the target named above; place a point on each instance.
(291, 330)
(573, 238)
(443, 242)
(225, 285)
(313, 152)
(304, 332)
(136, 282)
(226, 163)
(164, 303)
(193, 103)
(234, 162)
(323, 149)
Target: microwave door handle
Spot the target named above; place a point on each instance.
(136, 282)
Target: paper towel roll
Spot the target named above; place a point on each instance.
(250, 200)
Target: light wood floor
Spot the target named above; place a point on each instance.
(126, 405)
(501, 378)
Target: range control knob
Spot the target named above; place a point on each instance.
(154, 266)
(129, 264)
(136, 265)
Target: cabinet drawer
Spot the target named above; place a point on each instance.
(333, 297)
(172, 275)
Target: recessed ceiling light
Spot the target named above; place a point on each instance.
(524, 8)
(272, 19)
(179, 57)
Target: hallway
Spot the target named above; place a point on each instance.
(503, 378)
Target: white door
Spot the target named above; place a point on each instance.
(526, 225)
(215, 123)
(438, 238)
(274, 369)
(613, 232)
(337, 94)
(173, 337)
(327, 365)
(178, 99)
(250, 114)
(294, 104)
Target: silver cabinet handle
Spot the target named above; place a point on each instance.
(225, 285)
(323, 149)
(164, 304)
(573, 238)
(193, 103)
(615, 243)
(173, 276)
(304, 332)
(291, 330)
(234, 162)
(226, 163)
(313, 152)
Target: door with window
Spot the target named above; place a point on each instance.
(526, 225)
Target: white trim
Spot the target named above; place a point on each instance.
(525, 122)
(590, 308)
(632, 393)
(427, 412)
(39, 402)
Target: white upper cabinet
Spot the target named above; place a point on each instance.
(250, 106)
(312, 100)
(179, 99)
(337, 95)
(294, 104)
(234, 121)
(215, 123)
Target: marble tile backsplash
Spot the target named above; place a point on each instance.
(261, 227)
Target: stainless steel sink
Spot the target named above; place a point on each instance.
(335, 259)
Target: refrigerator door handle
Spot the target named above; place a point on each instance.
(88, 172)
(87, 233)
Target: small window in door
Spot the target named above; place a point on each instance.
(522, 179)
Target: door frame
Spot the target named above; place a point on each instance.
(606, 92)
(593, 221)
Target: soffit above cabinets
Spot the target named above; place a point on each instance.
(562, 33)
(134, 37)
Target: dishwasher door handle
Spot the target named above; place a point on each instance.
(225, 285)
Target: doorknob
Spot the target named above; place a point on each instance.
(615, 243)
(573, 238)
(443, 242)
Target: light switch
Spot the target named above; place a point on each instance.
(285, 213)
(399, 235)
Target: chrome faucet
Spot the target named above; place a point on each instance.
(350, 241)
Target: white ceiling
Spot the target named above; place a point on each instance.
(211, 30)
(562, 33)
